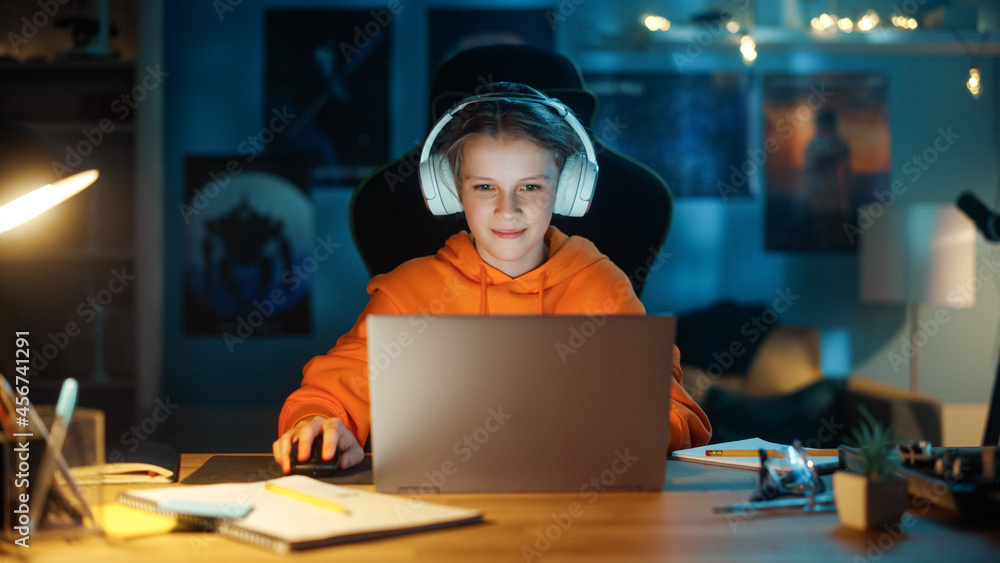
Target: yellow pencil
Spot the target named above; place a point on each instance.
(770, 453)
(299, 495)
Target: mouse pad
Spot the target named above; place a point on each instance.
(250, 468)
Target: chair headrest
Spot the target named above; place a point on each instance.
(553, 73)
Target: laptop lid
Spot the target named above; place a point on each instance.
(519, 404)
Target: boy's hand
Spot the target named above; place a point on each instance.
(334, 433)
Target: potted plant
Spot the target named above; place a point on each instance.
(870, 494)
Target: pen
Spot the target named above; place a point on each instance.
(770, 453)
(57, 435)
(304, 497)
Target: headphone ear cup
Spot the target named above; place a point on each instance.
(570, 178)
(445, 180)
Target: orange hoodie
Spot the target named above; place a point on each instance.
(576, 279)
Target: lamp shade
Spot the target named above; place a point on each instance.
(35, 202)
(922, 253)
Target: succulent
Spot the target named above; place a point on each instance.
(874, 446)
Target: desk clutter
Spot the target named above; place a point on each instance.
(964, 481)
(296, 512)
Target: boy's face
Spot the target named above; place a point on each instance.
(508, 188)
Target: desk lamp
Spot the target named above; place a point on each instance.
(917, 255)
(36, 202)
(13, 213)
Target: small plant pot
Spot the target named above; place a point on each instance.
(863, 504)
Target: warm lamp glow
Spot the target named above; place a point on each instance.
(36, 202)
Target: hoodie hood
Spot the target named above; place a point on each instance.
(567, 256)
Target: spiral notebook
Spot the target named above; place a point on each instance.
(295, 513)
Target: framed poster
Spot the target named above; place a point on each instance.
(329, 71)
(826, 138)
(690, 128)
(249, 248)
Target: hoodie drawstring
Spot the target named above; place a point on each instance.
(541, 288)
(484, 284)
(482, 290)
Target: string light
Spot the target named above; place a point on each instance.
(655, 23)
(869, 21)
(845, 25)
(823, 22)
(749, 49)
(973, 84)
(904, 22)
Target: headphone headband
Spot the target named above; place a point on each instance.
(577, 179)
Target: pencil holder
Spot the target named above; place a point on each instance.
(31, 475)
(69, 515)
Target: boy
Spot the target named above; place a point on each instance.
(503, 157)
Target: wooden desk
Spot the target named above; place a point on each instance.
(678, 525)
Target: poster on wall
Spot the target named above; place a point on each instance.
(454, 31)
(248, 226)
(690, 128)
(327, 73)
(826, 144)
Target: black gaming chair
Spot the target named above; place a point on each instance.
(632, 207)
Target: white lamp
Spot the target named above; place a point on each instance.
(37, 201)
(918, 254)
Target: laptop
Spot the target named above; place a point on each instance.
(479, 404)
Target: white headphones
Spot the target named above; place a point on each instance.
(577, 178)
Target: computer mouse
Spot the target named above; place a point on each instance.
(315, 466)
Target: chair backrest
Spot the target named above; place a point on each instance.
(628, 220)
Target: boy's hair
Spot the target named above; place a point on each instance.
(516, 115)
